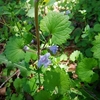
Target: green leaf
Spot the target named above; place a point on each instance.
(88, 52)
(57, 78)
(31, 2)
(77, 34)
(63, 57)
(17, 97)
(96, 47)
(30, 13)
(30, 55)
(85, 70)
(9, 65)
(17, 84)
(14, 49)
(29, 85)
(57, 25)
(62, 97)
(44, 95)
(75, 55)
(27, 38)
(24, 71)
(64, 82)
(97, 27)
(3, 59)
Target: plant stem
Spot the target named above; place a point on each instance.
(37, 35)
(37, 27)
(9, 78)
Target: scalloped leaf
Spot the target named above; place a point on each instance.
(57, 78)
(96, 47)
(85, 70)
(57, 25)
(14, 49)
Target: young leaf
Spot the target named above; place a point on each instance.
(75, 55)
(63, 57)
(85, 70)
(96, 47)
(57, 25)
(14, 49)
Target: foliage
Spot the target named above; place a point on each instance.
(85, 70)
(51, 49)
(57, 25)
(95, 48)
(14, 49)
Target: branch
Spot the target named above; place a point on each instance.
(37, 27)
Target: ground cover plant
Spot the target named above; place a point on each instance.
(49, 50)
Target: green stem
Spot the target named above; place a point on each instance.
(37, 28)
(37, 35)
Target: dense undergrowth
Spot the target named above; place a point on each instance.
(49, 50)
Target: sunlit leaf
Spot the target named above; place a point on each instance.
(57, 25)
(63, 57)
(57, 78)
(30, 13)
(75, 55)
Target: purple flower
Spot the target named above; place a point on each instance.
(54, 49)
(32, 41)
(67, 12)
(26, 48)
(44, 60)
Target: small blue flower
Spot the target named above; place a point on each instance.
(54, 49)
(44, 60)
(26, 48)
(67, 12)
(32, 41)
